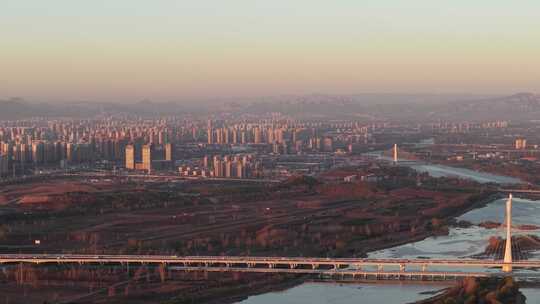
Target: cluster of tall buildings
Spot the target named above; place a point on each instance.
(149, 144)
(232, 166)
(147, 157)
(26, 145)
(248, 134)
(16, 156)
(285, 138)
(468, 126)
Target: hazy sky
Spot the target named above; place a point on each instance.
(177, 50)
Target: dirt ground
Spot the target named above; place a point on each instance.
(197, 218)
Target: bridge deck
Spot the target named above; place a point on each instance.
(342, 268)
(252, 261)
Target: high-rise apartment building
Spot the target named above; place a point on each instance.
(228, 169)
(240, 170)
(38, 152)
(70, 152)
(169, 152)
(210, 135)
(147, 157)
(257, 134)
(4, 165)
(521, 143)
(218, 167)
(130, 157)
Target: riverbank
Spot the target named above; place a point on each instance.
(521, 172)
(301, 217)
(449, 219)
(480, 290)
(406, 238)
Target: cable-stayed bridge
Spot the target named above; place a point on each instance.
(354, 267)
(345, 267)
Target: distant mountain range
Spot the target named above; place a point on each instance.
(522, 106)
(18, 109)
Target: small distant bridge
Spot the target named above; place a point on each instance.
(522, 191)
(398, 155)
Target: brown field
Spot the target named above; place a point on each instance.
(298, 218)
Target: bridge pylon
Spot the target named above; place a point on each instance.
(507, 266)
(395, 153)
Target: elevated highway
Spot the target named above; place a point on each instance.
(334, 268)
(222, 262)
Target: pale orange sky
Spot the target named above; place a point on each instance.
(178, 50)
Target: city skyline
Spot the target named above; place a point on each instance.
(185, 50)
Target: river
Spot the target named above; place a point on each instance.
(460, 242)
(324, 293)
(481, 177)
(442, 170)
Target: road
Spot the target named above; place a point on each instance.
(269, 262)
